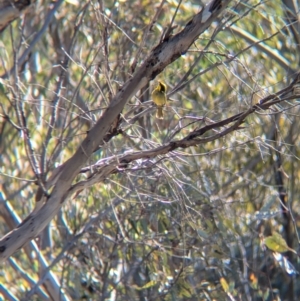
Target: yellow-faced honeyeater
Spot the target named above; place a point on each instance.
(159, 97)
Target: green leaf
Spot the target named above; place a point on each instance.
(276, 243)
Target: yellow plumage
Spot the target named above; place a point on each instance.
(159, 97)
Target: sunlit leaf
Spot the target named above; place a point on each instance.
(224, 284)
(276, 243)
(147, 285)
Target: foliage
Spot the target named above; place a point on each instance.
(186, 225)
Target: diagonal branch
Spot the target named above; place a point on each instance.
(108, 166)
(160, 57)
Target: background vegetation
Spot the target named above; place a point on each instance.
(185, 225)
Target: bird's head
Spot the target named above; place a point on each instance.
(161, 86)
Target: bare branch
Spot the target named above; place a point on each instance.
(161, 56)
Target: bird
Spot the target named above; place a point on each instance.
(159, 97)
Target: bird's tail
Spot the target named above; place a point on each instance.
(159, 113)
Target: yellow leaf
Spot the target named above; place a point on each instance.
(224, 285)
(147, 285)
